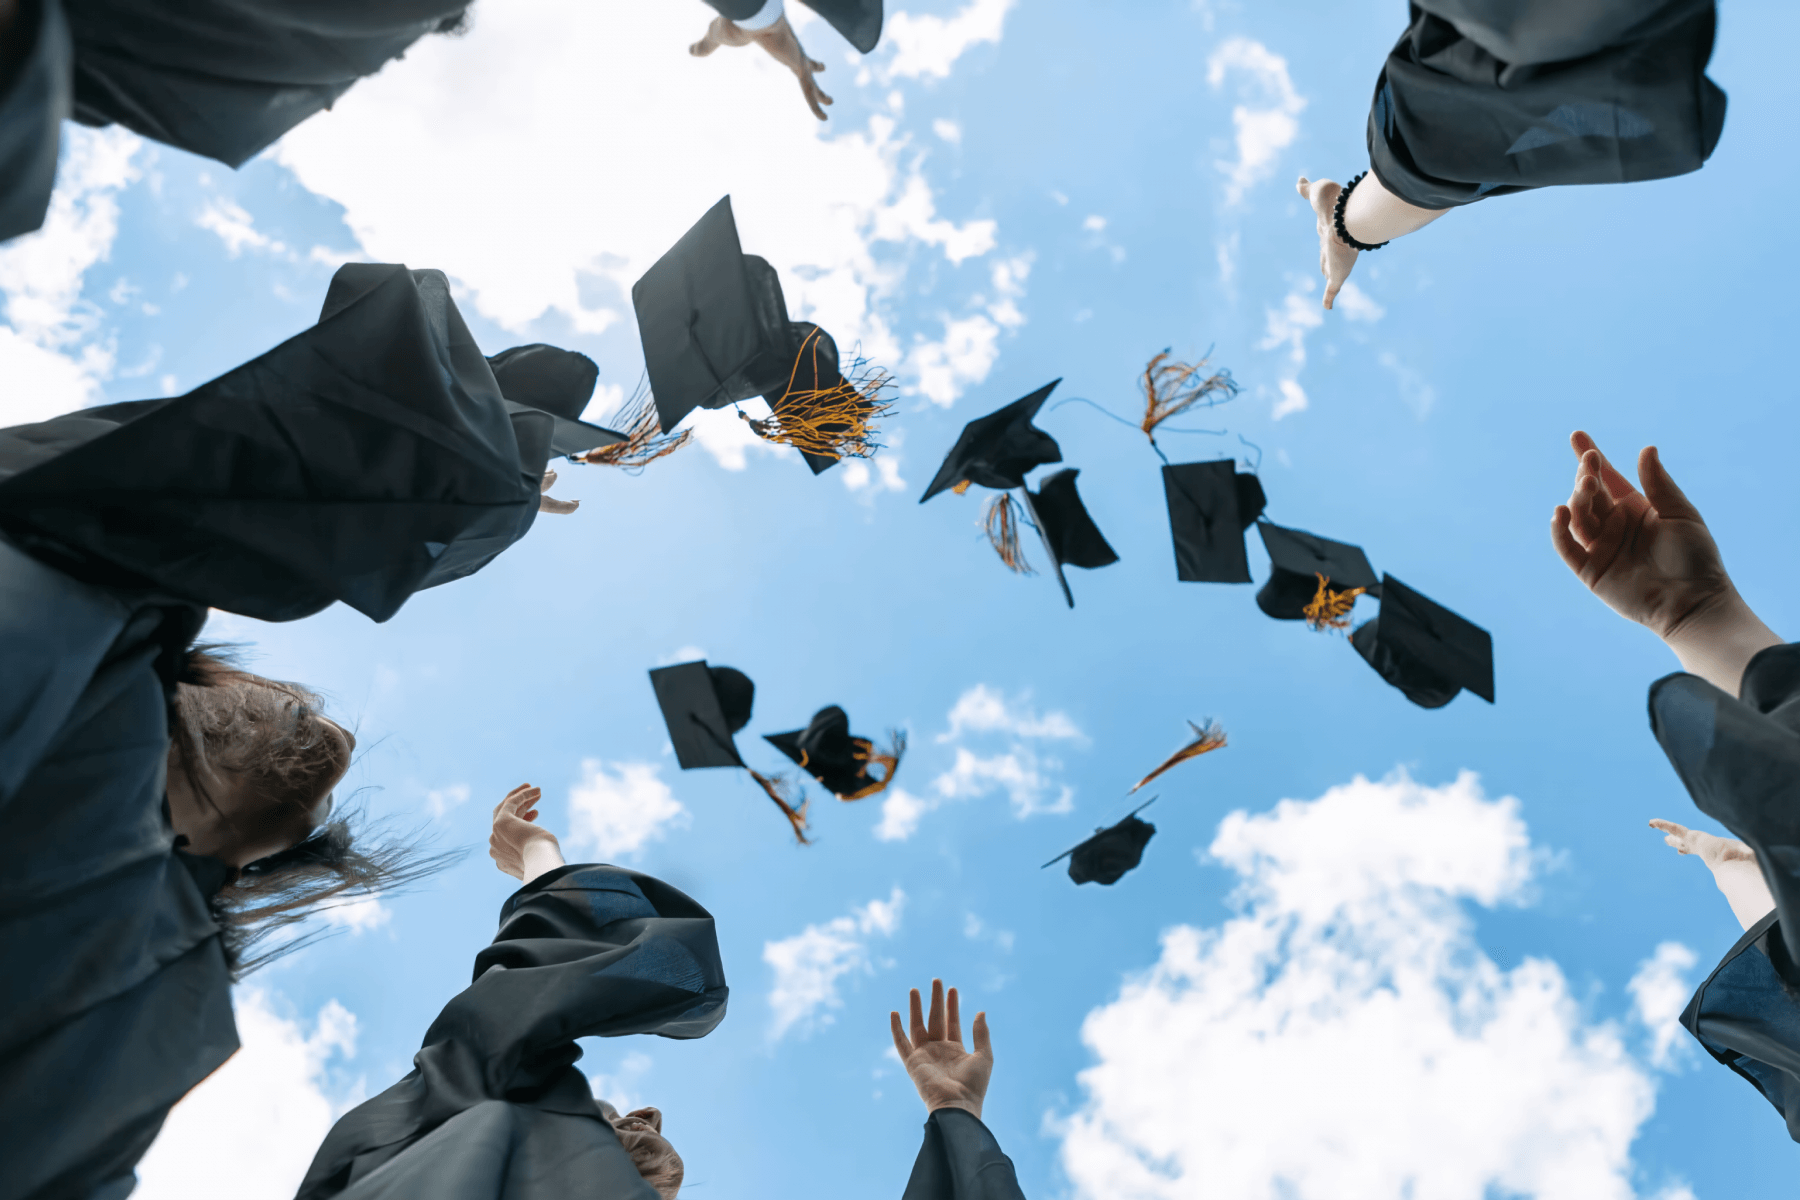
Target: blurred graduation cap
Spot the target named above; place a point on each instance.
(1295, 590)
(715, 331)
(1207, 738)
(559, 382)
(1070, 536)
(703, 707)
(1424, 649)
(840, 761)
(1112, 851)
(998, 450)
(1211, 504)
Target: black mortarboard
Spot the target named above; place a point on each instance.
(559, 382)
(712, 320)
(1297, 559)
(703, 706)
(1105, 857)
(828, 752)
(1210, 506)
(998, 450)
(1424, 649)
(815, 370)
(1070, 536)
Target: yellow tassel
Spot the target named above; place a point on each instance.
(1002, 525)
(644, 443)
(888, 760)
(781, 790)
(1206, 739)
(962, 487)
(834, 421)
(1174, 387)
(1329, 609)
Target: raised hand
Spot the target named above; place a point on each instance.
(519, 846)
(550, 504)
(945, 1074)
(782, 44)
(1335, 258)
(1734, 868)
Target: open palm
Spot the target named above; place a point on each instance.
(1647, 554)
(946, 1075)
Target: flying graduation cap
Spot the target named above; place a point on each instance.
(703, 707)
(558, 382)
(1112, 851)
(998, 450)
(1070, 536)
(1311, 578)
(1211, 504)
(715, 331)
(840, 761)
(1424, 649)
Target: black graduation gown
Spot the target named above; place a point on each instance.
(362, 460)
(494, 1108)
(219, 78)
(1740, 759)
(1485, 97)
(960, 1160)
(859, 21)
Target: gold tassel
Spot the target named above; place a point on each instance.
(644, 443)
(888, 759)
(962, 487)
(781, 790)
(834, 421)
(1174, 387)
(1002, 525)
(1329, 609)
(1205, 740)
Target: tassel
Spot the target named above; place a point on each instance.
(834, 422)
(1002, 525)
(644, 443)
(1174, 387)
(1205, 740)
(781, 790)
(1329, 609)
(962, 487)
(888, 759)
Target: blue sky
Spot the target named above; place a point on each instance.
(1004, 196)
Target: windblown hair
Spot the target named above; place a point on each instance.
(1173, 387)
(1002, 528)
(645, 441)
(272, 738)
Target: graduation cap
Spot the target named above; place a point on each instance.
(556, 381)
(703, 706)
(715, 331)
(840, 761)
(1211, 504)
(1304, 572)
(1424, 649)
(1070, 536)
(998, 450)
(644, 441)
(1112, 851)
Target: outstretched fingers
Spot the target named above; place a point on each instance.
(1674, 834)
(1617, 486)
(1573, 554)
(954, 1030)
(983, 1047)
(902, 1047)
(918, 1020)
(935, 1029)
(1669, 501)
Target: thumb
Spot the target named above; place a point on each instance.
(1659, 487)
(983, 1047)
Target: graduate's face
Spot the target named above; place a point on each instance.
(641, 1132)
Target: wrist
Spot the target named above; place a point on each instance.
(1717, 638)
(972, 1107)
(538, 856)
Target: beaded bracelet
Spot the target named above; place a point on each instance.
(1337, 217)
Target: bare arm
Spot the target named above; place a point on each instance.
(782, 44)
(1371, 215)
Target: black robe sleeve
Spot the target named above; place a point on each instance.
(1739, 757)
(960, 1160)
(857, 21)
(1485, 97)
(494, 1108)
(34, 98)
(365, 459)
(114, 991)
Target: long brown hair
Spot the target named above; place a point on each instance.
(273, 737)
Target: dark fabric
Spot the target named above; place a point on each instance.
(858, 21)
(34, 98)
(1486, 97)
(1000, 449)
(960, 1160)
(1111, 852)
(829, 752)
(1426, 651)
(1070, 537)
(1210, 505)
(116, 999)
(363, 460)
(1746, 1019)
(494, 1108)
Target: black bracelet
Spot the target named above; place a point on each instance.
(1337, 217)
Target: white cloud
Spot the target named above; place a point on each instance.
(901, 812)
(359, 915)
(622, 1087)
(439, 801)
(963, 356)
(1415, 390)
(258, 1119)
(1344, 1035)
(857, 476)
(235, 227)
(1659, 991)
(619, 808)
(583, 217)
(976, 930)
(982, 709)
(1293, 399)
(52, 355)
(1024, 777)
(1267, 118)
(1286, 327)
(809, 965)
(929, 45)
(1226, 250)
(1358, 305)
(950, 131)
